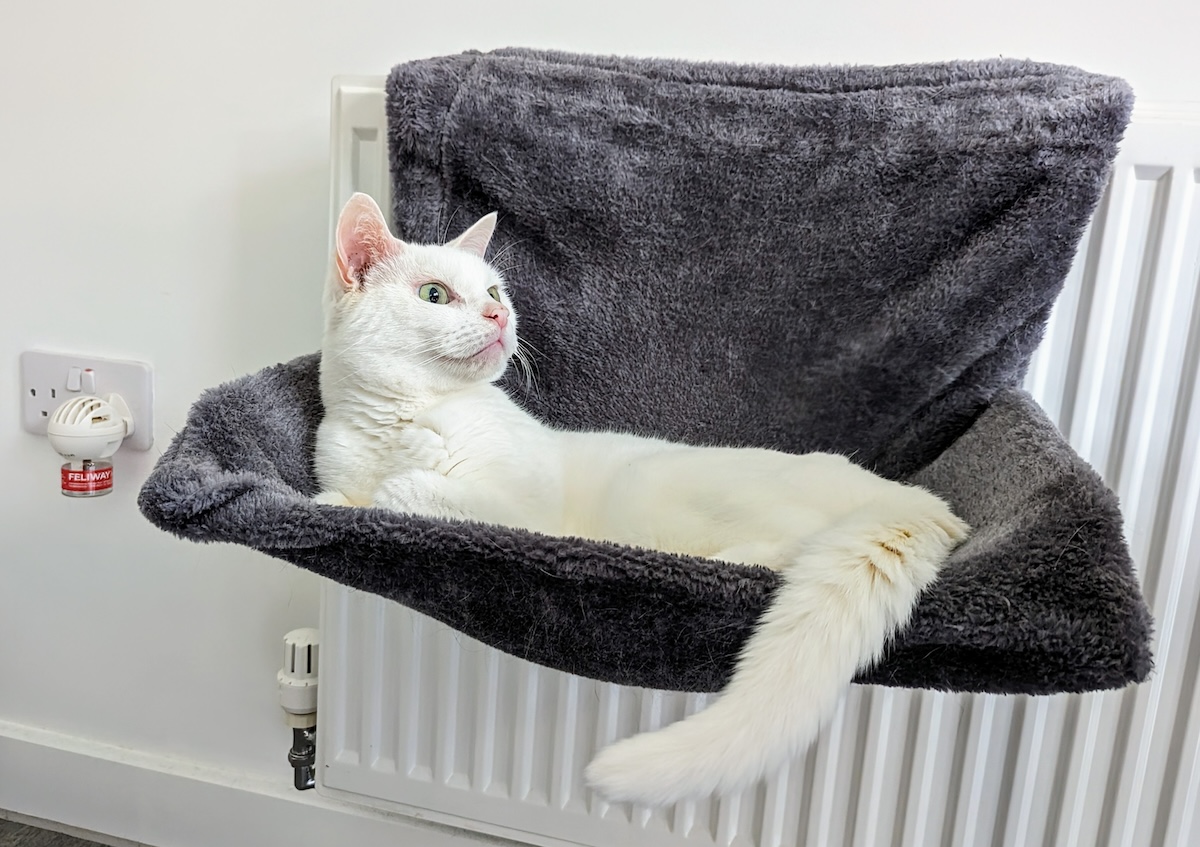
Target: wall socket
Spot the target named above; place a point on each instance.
(48, 380)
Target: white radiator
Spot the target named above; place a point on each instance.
(419, 719)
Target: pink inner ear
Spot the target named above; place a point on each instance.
(363, 240)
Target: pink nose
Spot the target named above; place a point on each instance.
(496, 312)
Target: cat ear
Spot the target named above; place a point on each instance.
(476, 238)
(363, 240)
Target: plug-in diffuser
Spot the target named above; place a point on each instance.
(86, 431)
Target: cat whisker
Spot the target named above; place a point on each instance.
(501, 176)
(423, 347)
(352, 372)
(503, 252)
(445, 234)
(525, 343)
(524, 363)
(521, 368)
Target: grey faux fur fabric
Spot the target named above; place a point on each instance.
(844, 259)
(849, 259)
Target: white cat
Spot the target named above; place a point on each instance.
(415, 336)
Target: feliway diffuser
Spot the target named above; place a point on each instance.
(87, 431)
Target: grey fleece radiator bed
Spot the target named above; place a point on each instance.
(858, 260)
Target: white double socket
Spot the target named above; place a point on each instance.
(50, 379)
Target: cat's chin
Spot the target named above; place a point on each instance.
(493, 352)
(488, 364)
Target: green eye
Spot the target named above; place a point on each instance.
(434, 292)
(495, 293)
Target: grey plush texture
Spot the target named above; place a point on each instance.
(848, 259)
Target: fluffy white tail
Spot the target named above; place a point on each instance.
(845, 594)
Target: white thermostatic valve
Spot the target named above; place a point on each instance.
(298, 696)
(298, 678)
(86, 431)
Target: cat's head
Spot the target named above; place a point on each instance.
(414, 317)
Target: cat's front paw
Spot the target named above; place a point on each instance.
(423, 448)
(417, 492)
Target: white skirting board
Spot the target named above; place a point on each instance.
(414, 715)
(123, 796)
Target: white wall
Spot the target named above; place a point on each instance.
(164, 198)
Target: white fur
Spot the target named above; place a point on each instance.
(413, 423)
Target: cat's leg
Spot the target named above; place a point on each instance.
(422, 447)
(332, 498)
(422, 492)
(846, 592)
(422, 488)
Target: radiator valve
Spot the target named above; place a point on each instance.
(298, 697)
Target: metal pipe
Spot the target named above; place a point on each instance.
(303, 756)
